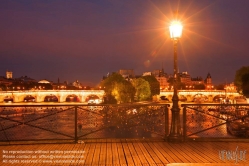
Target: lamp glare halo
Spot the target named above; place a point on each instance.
(175, 30)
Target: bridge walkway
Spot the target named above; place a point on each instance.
(127, 152)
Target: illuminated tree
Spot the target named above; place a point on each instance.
(142, 89)
(117, 89)
(123, 91)
(108, 82)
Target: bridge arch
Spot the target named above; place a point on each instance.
(51, 98)
(29, 98)
(218, 98)
(199, 97)
(182, 98)
(170, 97)
(8, 99)
(91, 96)
(72, 98)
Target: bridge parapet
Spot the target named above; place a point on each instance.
(18, 96)
(190, 94)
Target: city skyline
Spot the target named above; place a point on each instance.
(85, 40)
(12, 76)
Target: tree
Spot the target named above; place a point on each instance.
(123, 91)
(245, 84)
(142, 88)
(238, 77)
(117, 89)
(199, 86)
(3, 87)
(108, 83)
(181, 85)
(220, 87)
(109, 99)
(154, 85)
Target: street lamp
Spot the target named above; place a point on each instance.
(175, 135)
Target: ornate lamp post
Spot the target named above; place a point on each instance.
(175, 131)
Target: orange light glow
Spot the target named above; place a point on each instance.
(175, 29)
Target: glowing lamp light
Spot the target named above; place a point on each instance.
(175, 29)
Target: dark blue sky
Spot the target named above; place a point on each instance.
(85, 39)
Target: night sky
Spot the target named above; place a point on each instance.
(86, 39)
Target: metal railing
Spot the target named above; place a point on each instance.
(76, 122)
(215, 121)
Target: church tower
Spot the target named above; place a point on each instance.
(8, 74)
(208, 81)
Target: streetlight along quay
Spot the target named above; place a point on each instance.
(175, 131)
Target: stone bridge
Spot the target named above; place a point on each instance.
(59, 95)
(83, 95)
(201, 95)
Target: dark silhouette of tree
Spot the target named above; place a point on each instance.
(220, 87)
(245, 84)
(199, 86)
(3, 87)
(238, 77)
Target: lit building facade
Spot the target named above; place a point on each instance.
(185, 78)
(77, 84)
(9, 74)
(197, 80)
(230, 87)
(161, 77)
(208, 82)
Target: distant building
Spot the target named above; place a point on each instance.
(157, 73)
(161, 77)
(9, 74)
(190, 82)
(147, 74)
(5, 81)
(163, 81)
(197, 80)
(77, 84)
(44, 82)
(185, 78)
(208, 82)
(127, 74)
(230, 87)
(25, 79)
(60, 86)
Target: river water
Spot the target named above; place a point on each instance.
(60, 122)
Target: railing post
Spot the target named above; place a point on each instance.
(75, 125)
(184, 122)
(166, 114)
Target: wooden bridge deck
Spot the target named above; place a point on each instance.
(127, 152)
